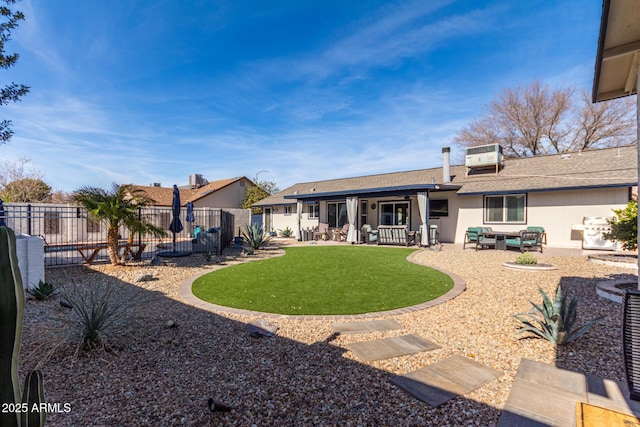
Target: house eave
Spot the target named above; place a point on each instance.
(401, 190)
(541, 190)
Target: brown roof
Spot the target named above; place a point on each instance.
(593, 168)
(164, 195)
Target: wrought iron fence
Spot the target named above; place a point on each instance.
(70, 234)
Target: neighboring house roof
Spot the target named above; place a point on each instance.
(609, 167)
(164, 195)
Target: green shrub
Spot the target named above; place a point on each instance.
(254, 236)
(43, 291)
(526, 259)
(624, 226)
(287, 232)
(554, 321)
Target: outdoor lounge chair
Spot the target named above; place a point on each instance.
(369, 235)
(528, 240)
(321, 232)
(543, 234)
(471, 236)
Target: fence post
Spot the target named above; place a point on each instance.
(29, 219)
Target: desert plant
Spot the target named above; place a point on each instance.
(526, 259)
(287, 232)
(554, 321)
(208, 255)
(11, 314)
(254, 236)
(42, 291)
(99, 312)
(624, 226)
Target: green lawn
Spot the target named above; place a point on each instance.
(325, 280)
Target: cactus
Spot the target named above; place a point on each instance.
(19, 407)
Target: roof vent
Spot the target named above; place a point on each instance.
(313, 189)
(566, 156)
(156, 184)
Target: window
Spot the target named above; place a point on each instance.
(363, 213)
(287, 210)
(314, 211)
(438, 208)
(394, 213)
(93, 226)
(507, 209)
(51, 222)
(337, 214)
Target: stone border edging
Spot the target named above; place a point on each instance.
(185, 292)
(596, 259)
(529, 267)
(607, 289)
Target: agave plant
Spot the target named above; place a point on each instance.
(254, 236)
(554, 320)
(42, 291)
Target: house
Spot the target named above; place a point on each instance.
(554, 191)
(224, 193)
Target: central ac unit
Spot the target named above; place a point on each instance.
(483, 156)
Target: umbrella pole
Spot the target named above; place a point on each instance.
(174, 242)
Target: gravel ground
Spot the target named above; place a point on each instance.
(162, 376)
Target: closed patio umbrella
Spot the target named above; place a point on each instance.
(2, 222)
(176, 224)
(189, 216)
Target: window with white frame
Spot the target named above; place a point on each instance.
(508, 208)
(288, 209)
(314, 211)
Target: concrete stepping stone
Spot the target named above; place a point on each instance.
(438, 383)
(366, 327)
(544, 395)
(387, 348)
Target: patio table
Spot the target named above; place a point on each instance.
(500, 237)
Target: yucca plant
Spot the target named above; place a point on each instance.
(42, 291)
(255, 236)
(287, 232)
(554, 320)
(100, 311)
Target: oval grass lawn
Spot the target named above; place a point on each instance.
(325, 280)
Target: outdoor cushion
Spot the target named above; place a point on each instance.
(513, 242)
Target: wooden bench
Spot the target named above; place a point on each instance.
(89, 251)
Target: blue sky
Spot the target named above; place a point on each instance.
(152, 91)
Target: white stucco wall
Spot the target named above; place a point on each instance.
(556, 211)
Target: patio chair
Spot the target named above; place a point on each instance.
(471, 236)
(528, 240)
(321, 231)
(543, 234)
(369, 235)
(342, 233)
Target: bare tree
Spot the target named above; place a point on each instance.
(534, 120)
(20, 183)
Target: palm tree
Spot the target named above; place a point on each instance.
(115, 208)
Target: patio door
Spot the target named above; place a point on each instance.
(337, 214)
(267, 220)
(393, 213)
